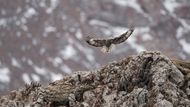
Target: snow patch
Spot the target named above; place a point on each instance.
(184, 23)
(90, 57)
(68, 53)
(18, 34)
(41, 71)
(29, 61)
(179, 32)
(34, 42)
(35, 77)
(53, 5)
(49, 29)
(3, 22)
(87, 51)
(147, 37)
(185, 45)
(23, 20)
(133, 44)
(121, 2)
(142, 30)
(42, 3)
(30, 12)
(130, 3)
(78, 34)
(106, 31)
(170, 5)
(24, 27)
(55, 76)
(15, 63)
(98, 22)
(182, 55)
(42, 51)
(26, 78)
(66, 69)
(84, 49)
(18, 22)
(4, 75)
(57, 61)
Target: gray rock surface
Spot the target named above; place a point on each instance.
(42, 40)
(149, 79)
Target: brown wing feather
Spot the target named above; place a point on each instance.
(107, 42)
(96, 42)
(122, 38)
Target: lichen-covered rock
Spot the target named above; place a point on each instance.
(149, 79)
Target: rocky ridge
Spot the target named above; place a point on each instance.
(149, 79)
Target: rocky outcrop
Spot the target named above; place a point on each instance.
(149, 79)
(42, 40)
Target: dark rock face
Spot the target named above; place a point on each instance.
(43, 40)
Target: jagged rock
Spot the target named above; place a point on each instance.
(149, 79)
(42, 40)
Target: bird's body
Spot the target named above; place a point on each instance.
(106, 44)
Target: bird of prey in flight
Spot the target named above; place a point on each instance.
(106, 44)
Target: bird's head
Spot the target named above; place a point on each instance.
(89, 40)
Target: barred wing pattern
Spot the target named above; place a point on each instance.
(96, 42)
(122, 38)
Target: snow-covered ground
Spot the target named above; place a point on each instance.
(43, 40)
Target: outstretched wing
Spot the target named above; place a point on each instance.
(109, 42)
(122, 38)
(96, 42)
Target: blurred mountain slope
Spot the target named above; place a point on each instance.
(41, 40)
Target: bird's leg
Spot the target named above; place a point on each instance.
(105, 49)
